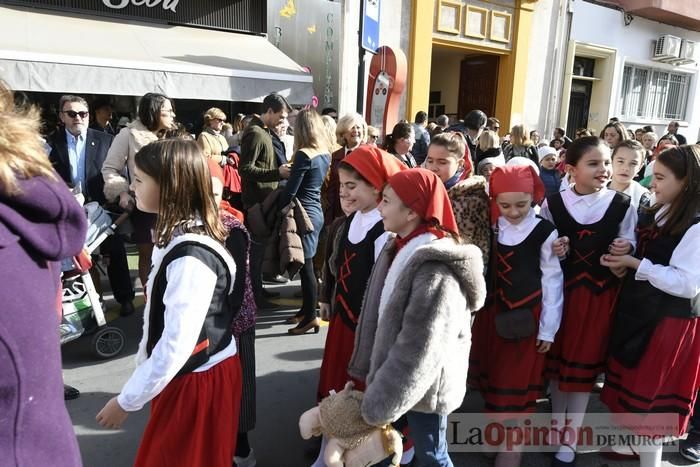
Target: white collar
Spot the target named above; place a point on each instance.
(525, 224)
(367, 218)
(589, 199)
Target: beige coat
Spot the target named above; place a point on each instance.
(212, 145)
(121, 154)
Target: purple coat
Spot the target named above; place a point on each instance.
(38, 226)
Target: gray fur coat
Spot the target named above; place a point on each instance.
(412, 341)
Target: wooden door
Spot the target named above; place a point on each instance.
(477, 84)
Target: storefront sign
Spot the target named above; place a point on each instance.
(119, 4)
(241, 15)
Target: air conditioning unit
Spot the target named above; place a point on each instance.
(690, 52)
(667, 48)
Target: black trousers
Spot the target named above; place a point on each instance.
(118, 268)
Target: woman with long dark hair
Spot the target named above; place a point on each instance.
(156, 117)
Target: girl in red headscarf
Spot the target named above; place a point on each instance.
(414, 329)
(516, 329)
(353, 246)
(352, 253)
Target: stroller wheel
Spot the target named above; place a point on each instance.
(108, 342)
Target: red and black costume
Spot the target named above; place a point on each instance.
(579, 351)
(655, 346)
(354, 264)
(510, 373)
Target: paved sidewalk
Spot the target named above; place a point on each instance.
(287, 376)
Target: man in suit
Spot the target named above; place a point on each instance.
(77, 153)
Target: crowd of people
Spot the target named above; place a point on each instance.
(450, 258)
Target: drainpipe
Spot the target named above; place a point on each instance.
(563, 37)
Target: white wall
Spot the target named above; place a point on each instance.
(394, 31)
(546, 59)
(605, 26)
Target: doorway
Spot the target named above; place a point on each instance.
(579, 105)
(477, 84)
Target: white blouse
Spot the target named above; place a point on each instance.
(681, 278)
(361, 224)
(589, 209)
(187, 299)
(552, 275)
(635, 191)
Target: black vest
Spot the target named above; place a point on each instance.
(354, 265)
(642, 306)
(215, 334)
(519, 277)
(588, 242)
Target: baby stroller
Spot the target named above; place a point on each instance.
(83, 312)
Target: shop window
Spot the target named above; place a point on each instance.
(651, 93)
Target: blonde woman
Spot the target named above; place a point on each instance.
(351, 132)
(212, 143)
(40, 224)
(489, 145)
(520, 145)
(311, 162)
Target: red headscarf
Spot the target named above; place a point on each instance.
(514, 179)
(374, 164)
(424, 193)
(218, 173)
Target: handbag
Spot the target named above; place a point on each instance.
(515, 324)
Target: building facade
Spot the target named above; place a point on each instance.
(637, 61)
(466, 54)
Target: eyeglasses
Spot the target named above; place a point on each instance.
(73, 113)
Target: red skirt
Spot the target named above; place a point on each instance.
(509, 374)
(667, 378)
(580, 348)
(340, 342)
(194, 421)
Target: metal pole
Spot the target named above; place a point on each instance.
(361, 64)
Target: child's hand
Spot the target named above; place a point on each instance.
(325, 311)
(112, 415)
(620, 247)
(618, 263)
(543, 346)
(619, 272)
(560, 246)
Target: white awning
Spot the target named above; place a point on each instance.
(48, 51)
